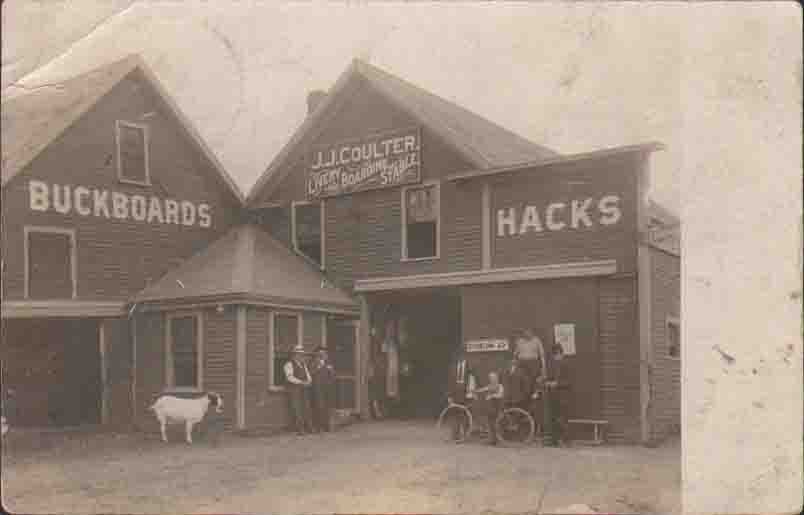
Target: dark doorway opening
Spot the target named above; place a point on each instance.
(425, 329)
(53, 368)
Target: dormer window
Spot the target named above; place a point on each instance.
(307, 230)
(132, 153)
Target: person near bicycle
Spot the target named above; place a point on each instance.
(516, 384)
(495, 393)
(555, 386)
(529, 352)
(461, 390)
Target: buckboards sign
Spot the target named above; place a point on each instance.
(381, 161)
(486, 345)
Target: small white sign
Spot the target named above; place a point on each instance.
(487, 345)
(565, 336)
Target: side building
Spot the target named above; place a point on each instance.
(450, 230)
(106, 187)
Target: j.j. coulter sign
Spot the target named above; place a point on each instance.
(115, 205)
(558, 216)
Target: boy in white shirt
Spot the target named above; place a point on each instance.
(495, 392)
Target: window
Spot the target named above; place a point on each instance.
(286, 335)
(132, 153)
(420, 222)
(673, 338)
(184, 356)
(50, 266)
(307, 230)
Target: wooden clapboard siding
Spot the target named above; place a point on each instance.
(665, 302)
(220, 359)
(118, 350)
(564, 183)
(150, 367)
(117, 258)
(619, 358)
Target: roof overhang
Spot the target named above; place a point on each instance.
(213, 301)
(62, 308)
(495, 275)
(652, 146)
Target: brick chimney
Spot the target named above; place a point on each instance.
(314, 99)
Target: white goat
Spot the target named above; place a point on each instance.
(169, 408)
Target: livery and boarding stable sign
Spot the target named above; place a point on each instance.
(381, 161)
(488, 345)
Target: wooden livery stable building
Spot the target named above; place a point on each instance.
(449, 230)
(392, 228)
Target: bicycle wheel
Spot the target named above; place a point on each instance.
(515, 425)
(452, 415)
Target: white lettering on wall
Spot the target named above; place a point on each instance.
(609, 208)
(114, 204)
(506, 218)
(39, 200)
(550, 221)
(557, 216)
(80, 194)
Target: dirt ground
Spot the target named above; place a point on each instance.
(372, 467)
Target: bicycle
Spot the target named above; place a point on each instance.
(514, 425)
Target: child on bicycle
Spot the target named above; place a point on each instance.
(495, 392)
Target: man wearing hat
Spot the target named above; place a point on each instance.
(298, 385)
(323, 391)
(554, 401)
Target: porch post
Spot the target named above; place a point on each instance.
(364, 346)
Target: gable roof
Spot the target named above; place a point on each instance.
(482, 142)
(248, 264)
(32, 120)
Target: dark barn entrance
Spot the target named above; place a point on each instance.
(53, 367)
(425, 327)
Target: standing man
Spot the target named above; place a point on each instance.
(298, 385)
(555, 385)
(461, 389)
(529, 352)
(323, 392)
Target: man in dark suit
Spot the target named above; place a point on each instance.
(461, 389)
(298, 385)
(323, 391)
(555, 391)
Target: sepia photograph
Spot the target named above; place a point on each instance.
(379, 257)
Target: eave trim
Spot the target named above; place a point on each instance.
(62, 308)
(499, 275)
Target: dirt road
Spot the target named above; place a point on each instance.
(399, 467)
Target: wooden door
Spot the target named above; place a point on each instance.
(342, 346)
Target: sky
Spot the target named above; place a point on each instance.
(575, 77)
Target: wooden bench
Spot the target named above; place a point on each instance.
(599, 426)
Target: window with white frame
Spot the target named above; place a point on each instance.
(420, 219)
(307, 230)
(50, 263)
(286, 334)
(132, 153)
(673, 338)
(184, 352)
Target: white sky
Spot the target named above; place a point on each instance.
(574, 77)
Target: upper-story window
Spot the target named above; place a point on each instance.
(420, 222)
(132, 153)
(673, 338)
(50, 266)
(307, 230)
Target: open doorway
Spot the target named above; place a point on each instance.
(53, 368)
(416, 335)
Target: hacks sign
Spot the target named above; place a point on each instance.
(382, 161)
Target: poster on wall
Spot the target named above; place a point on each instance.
(565, 336)
(381, 161)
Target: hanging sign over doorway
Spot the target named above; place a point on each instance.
(381, 161)
(488, 345)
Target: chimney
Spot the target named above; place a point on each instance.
(314, 99)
